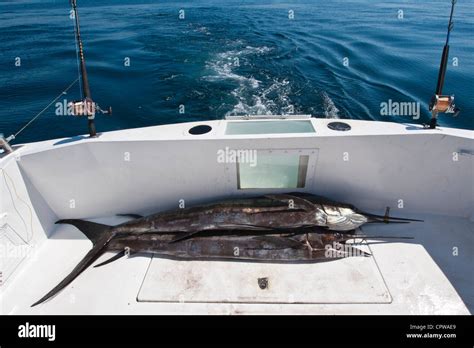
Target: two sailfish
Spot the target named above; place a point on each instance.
(294, 227)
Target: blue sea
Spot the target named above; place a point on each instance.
(330, 59)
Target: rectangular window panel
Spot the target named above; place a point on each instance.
(268, 127)
(273, 171)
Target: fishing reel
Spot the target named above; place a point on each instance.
(444, 104)
(87, 107)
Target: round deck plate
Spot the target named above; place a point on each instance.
(201, 129)
(339, 126)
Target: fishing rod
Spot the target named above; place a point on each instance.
(86, 106)
(443, 103)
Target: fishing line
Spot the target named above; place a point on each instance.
(28, 235)
(46, 108)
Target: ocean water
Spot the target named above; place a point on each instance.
(231, 58)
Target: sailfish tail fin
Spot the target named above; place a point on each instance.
(92, 230)
(100, 235)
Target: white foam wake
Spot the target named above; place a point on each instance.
(254, 96)
(330, 109)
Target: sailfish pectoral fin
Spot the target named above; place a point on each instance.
(223, 228)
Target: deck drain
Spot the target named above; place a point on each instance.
(263, 283)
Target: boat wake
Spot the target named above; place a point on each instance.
(226, 63)
(273, 100)
(253, 95)
(330, 109)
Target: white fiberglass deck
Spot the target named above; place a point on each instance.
(89, 178)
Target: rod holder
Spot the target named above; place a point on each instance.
(5, 145)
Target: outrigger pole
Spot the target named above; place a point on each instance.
(86, 106)
(439, 102)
